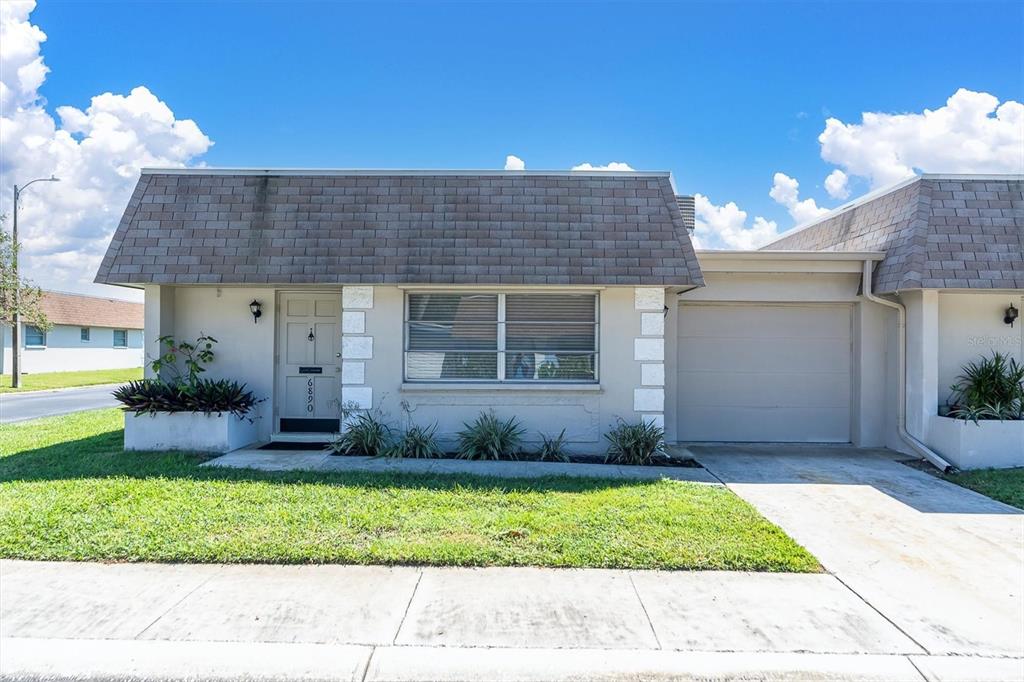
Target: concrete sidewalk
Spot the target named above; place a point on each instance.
(406, 623)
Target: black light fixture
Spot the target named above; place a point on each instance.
(255, 309)
(1011, 315)
(311, 338)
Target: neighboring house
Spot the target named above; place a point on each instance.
(88, 333)
(569, 299)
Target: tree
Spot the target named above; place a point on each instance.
(30, 304)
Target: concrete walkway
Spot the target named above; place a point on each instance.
(942, 563)
(16, 407)
(284, 460)
(405, 623)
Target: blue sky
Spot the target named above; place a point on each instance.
(722, 94)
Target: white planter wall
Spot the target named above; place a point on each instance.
(191, 431)
(987, 444)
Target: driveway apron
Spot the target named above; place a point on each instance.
(942, 563)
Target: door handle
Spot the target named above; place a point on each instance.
(337, 355)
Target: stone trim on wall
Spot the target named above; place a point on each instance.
(356, 346)
(649, 350)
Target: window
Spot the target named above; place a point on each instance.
(34, 336)
(501, 337)
(120, 338)
(84, 333)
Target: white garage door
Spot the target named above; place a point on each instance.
(770, 373)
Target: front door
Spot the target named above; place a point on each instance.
(309, 363)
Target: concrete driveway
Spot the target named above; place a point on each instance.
(943, 564)
(16, 407)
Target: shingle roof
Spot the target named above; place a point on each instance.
(281, 227)
(941, 232)
(91, 311)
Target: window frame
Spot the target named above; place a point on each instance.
(42, 334)
(85, 334)
(115, 331)
(501, 350)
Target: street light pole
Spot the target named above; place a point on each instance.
(16, 331)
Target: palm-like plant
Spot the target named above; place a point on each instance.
(490, 438)
(991, 388)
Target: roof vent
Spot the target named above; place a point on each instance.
(688, 210)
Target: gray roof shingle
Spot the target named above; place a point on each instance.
(267, 227)
(938, 232)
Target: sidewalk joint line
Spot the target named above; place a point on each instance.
(887, 618)
(220, 569)
(643, 607)
(369, 661)
(910, 660)
(405, 614)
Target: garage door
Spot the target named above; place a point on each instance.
(764, 373)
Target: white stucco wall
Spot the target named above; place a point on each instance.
(66, 352)
(971, 326)
(245, 351)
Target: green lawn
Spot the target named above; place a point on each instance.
(1005, 485)
(39, 382)
(68, 491)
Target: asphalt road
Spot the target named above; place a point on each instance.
(16, 407)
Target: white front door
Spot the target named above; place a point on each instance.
(309, 363)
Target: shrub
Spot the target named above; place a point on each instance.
(992, 388)
(417, 442)
(366, 435)
(639, 443)
(490, 438)
(192, 355)
(149, 396)
(552, 448)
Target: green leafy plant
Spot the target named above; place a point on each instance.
(490, 438)
(193, 356)
(991, 388)
(367, 434)
(149, 396)
(552, 448)
(640, 443)
(416, 442)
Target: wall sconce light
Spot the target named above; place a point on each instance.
(255, 309)
(1011, 315)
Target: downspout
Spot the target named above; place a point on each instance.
(901, 370)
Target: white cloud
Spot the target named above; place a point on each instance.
(96, 152)
(514, 163)
(725, 227)
(837, 184)
(972, 133)
(613, 166)
(786, 191)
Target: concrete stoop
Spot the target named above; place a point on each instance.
(83, 660)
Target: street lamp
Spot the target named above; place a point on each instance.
(16, 332)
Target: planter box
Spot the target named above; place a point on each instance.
(193, 431)
(987, 444)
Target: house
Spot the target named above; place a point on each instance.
(88, 333)
(569, 299)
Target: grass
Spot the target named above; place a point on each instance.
(1005, 485)
(47, 380)
(69, 492)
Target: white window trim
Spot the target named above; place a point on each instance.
(25, 342)
(114, 340)
(523, 384)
